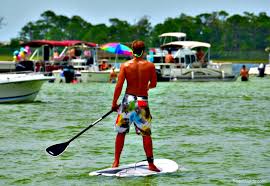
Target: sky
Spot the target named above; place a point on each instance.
(18, 13)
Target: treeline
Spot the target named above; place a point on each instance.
(231, 36)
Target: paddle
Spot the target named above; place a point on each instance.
(58, 149)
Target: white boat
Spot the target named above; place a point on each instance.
(263, 69)
(22, 87)
(186, 66)
(86, 74)
(172, 36)
(78, 65)
(82, 57)
(255, 70)
(96, 75)
(7, 66)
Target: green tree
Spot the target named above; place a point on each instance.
(119, 31)
(262, 35)
(39, 29)
(141, 30)
(76, 28)
(235, 25)
(169, 25)
(227, 34)
(97, 34)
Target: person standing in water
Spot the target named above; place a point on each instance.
(140, 76)
(113, 76)
(244, 73)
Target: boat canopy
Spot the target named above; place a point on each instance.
(173, 34)
(186, 44)
(65, 43)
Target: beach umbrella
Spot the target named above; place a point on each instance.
(117, 48)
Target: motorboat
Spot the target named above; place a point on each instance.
(74, 71)
(80, 55)
(21, 87)
(256, 70)
(7, 66)
(86, 74)
(98, 75)
(186, 65)
(172, 36)
(262, 69)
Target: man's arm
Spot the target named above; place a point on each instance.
(153, 80)
(110, 77)
(118, 87)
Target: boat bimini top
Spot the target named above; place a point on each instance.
(186, 44)
(173, 34)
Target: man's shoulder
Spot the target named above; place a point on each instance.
(150, 63)
(127, 63)
(144, 62)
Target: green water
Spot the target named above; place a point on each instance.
(218, 132)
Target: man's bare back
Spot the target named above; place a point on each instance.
(140, 75)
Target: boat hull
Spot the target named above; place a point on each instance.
(173, 72)
(255, 71)
(7, 66)
(96, 76)
(23, 90)
(85, 76)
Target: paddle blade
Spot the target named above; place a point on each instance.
(57, 149)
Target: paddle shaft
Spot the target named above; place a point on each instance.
(93, 124)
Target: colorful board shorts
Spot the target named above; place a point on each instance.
(134, 109)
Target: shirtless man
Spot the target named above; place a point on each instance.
(113, 76)
(141, 76)
(169, 57)
(244, 73)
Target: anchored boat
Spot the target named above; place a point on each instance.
(187, 66)
(22, 87)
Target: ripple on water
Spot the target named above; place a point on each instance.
(219, 132)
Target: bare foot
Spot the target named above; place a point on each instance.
(152, 167)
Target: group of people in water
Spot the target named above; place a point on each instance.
(244, 72)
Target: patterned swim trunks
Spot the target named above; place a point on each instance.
(134, 109)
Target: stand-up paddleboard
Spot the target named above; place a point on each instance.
(138, 169)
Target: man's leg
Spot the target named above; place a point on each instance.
(148, 148)
(119, 144)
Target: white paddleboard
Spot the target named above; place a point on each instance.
(138, 169)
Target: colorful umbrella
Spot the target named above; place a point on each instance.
(117, 48)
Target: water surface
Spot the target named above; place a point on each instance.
(218, 132)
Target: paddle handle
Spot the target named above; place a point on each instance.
(93, 124)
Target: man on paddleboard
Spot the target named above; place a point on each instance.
(140, 76)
